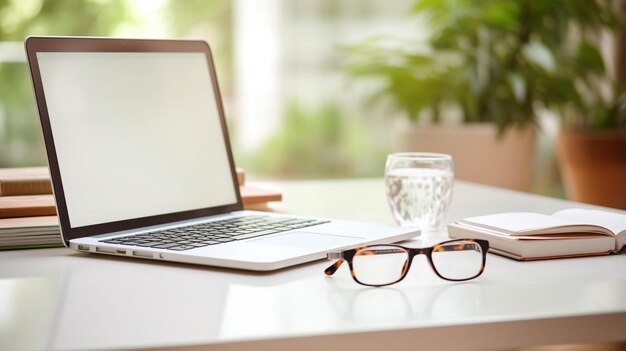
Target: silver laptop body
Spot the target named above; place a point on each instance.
(139, 152)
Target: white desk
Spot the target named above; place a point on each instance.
(59, 299)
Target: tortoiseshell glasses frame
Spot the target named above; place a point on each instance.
(446, 246)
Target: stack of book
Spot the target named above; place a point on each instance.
(28, 213)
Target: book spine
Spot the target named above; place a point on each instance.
(27, 206)
(241, 176)
(34, 186)
(34, 211)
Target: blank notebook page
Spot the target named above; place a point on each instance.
(516, 222)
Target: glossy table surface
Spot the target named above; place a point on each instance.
(60, 299)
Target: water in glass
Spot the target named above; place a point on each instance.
(419, 193)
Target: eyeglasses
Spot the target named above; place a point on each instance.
(381, 265)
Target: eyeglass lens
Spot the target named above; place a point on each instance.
(380, 265)
(458, 260)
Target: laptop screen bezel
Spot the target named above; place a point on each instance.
(73, 44)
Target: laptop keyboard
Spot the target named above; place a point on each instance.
(213, 233)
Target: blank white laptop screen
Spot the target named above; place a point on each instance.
(145, 130)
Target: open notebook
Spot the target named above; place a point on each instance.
(566, 233)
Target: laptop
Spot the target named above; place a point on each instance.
(141, 163)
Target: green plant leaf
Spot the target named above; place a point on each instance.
(518, 86)
(540, 55)
(502, 14)
(589, 58)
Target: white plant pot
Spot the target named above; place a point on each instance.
(479, 155)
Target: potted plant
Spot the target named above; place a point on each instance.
(592, 160)
(591, 144)
(592, 141)
(494, 66)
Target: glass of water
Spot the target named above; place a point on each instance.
(419, 188)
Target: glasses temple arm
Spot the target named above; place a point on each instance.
(333, 268)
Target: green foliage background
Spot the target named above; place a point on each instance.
(318, 142)
(500, 61)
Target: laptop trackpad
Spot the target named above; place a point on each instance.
(310, 240)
